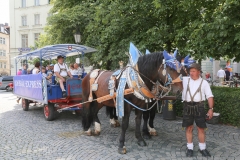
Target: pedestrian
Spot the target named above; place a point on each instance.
(208, 76)
(221, 75)
(62, 72)
(19, 72)
(195, 91)
(227, 73)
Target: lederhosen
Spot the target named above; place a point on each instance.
(194, 111)
(62, 69)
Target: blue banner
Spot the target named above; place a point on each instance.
(74, 87)
(29, 86)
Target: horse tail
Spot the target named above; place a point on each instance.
(87, 112)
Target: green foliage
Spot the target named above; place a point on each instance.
(44, 62)
(226, 102)
(207, 28)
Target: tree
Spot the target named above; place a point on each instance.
(217, 32)
(109, 26)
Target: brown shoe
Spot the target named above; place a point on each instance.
(17, 100)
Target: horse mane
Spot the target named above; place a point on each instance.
(149, 64)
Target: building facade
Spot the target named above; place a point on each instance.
(27, 19)
(4, 50)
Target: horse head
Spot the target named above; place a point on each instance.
(169, 72)
(161, 67)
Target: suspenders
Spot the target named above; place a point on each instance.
(62, 69)
(198, 90)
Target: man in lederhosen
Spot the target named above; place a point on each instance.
(195, 91)
(62, 73)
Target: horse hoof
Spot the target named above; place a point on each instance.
(88, 133)
(114, 125)
(122, 150)
(146, 136)
(117, 124)
(153, 133)
(142, 143)
(96, 133)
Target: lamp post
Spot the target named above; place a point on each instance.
(77, 37)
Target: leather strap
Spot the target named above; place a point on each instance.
(198, 90)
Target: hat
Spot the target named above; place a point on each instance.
(51, 65)
(196, 66)
(60, 56)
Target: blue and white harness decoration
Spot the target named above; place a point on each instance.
(188, 61)
(120, 96)
(134, 54)
(132, 78)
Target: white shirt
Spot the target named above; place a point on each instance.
(76, 71)
(35, 71)
(221, 73)
(193, 85)
(63, 66)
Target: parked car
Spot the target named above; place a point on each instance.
(5, 81)
(9, 87)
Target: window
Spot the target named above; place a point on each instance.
(36, 36)
(24, 40)
(3, 53)
(0, 64)
(23, 3)
(36, 2)
(37, 19)
(24, 20)
(1, 40)
(4, 65)
(49, 1)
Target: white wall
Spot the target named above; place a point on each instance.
(16, 13)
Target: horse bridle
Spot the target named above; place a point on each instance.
(168, 79)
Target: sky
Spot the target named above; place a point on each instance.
(4, 11)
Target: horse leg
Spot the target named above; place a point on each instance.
(116, 117)
(151, 129)
(125, 123)
(87, 118)
(138, 135)
(110, 112)
(97, 124)
(145, 132)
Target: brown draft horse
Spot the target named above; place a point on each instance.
(148, 116)
(151, 67)
(148, 129)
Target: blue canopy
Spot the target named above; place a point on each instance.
(52, 51)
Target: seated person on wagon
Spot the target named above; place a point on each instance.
(62, 72)
(48, 77)
(76, 70)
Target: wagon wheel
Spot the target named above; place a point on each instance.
(7, 88)
(25, 104)
(49, 112)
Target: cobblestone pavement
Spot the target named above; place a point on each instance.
(27, 135)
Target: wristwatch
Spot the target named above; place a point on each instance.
(211, 108)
